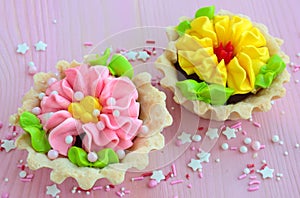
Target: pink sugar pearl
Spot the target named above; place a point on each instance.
(52, 154)
(32, 70)
(92, 157)
(152, 183)
(256, 145)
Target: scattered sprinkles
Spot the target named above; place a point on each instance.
(266, 172)
(195, 164)
(212, 133)
(22, 48)
(40, 46)
(184, 138)
(8, 145)
(158, 176)
(52, 190)
(229, 133)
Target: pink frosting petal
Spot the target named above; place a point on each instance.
(56, 119)
(95, 77)
(124, 144)
(53, 103)
(63, 89)
(58, 134)
(95, 140)
(75, 77)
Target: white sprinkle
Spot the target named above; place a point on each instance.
(225, 146)
(121, 154)
(272, 102)
(78, 95)
(87, 193)
(278, 178)
(22, 174)
(54, 21)
(275, 138)
(41, 95)
(54, 92)
(296, 81)
(116, 113)
(217, 160)
(292, 64)
(264, 161)
(196, 138)
(31, 64)
(286, 153)
(144, 129)
(298, 54)
(297, 145)
(243, 149)
(172, 108)
(68, 139)
(96, 112)
(246, 171)
(255, 155)
(20, 161)
(5, 179)
(247, 140)
(281, 142)
(100, 125)
(111, 101)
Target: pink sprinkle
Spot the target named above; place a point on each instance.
(97, 188)
(200, 174)
(127, 192)
(14, 128)
(263, 167)
(25, 180)
(174, 170)
(1, 124)
(30, 176)
(222, 127)
(148, 52)
(88, 44)
(242, 176)
(176, 182)
(236, 125)
(150, 42)
(137, 178)
(244, 132)
(4, 195)
(119, 194)
(152, 183)
(189, 186)
(262, 146)
(255, 188)
(256, 124)
(296, 69)
(178, 143)
(252, 177)
(233, 148)
(250, 165)
(253, 182)
(193, 148)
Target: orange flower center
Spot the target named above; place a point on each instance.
(225, 53)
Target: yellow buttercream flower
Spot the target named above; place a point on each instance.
(225, 50)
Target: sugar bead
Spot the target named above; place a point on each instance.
(68, 139)
(225, 146)
(41, 95)
(36, 110)
(144, 129)
(152, 183)
(243, 149)
(121, 154)
(256, 145)
(247, 140)
(92, 157)
(196, 138)
(111, 101)
(51, 81)
(100, 125)
(52, 154)
(275, 138)
(32, 70)
(78, 95)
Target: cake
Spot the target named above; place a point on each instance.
(223, 66)
(92, 120)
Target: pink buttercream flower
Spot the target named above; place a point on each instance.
(67, 110)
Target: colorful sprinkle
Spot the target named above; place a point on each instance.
(247, 140)
(196, 138)
(275, 139)
(173, 166)
(225, 146)
(212, 133)
(40, 46)
(256, 124)
(176, 182)
(253, 182)
(242, 176)
(88, 44)
(184, 137)
(150, 42)
(251, 189)
(256, 145)
(22, 48)
(152, 183)
(137, 178)
(52, 154)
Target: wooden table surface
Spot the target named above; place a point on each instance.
(66, 25)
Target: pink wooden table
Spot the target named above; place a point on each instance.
(66, 25)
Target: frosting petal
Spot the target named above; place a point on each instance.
(63, 89)
(56, 119)
(53, 103)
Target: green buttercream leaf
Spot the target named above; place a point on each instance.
(206, 11)
(96, 59)
(182, 27)
(120, 66)
(269, 72)
(78, 156)
(29, 119)
(213, 94)
(39, 140)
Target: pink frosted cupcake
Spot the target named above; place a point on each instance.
(94, 120)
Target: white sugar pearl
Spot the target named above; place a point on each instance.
(78, 95)
(297, 145)
(96, 112)
(36, 110)
(144, 129)
(116, 113)
(281, 142)
(121, 154)
(51, 81)
(225, 146)
(92, 156)
(41, 95)
(111, 101)
(247, 171)
(31, 64)
(275, 138)
(256, 145)
(5, 179)
(196, 138)
(22, 174)
(100, 125)
(52, 154)
(247, 140)
(286, 153)
(69, 139)
(54, 92)
(243, 149)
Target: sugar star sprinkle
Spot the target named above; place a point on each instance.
(8, 145)
(266, 172)
(212, 133)
(52, 190)
(184, 137)
(229, 133)
(131, 55)
(203, 156)
(158, 176)
(143, 56)
(40, 46)
(22, 48)
(195, 164)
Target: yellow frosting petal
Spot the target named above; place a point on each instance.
(222, 29)
(251, 37)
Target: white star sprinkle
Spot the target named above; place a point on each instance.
(203, 156)
(131, 55)
(22, 48)
(40, 46)
(184, 137)
(266, 172)
(158, 176)
(195, 164)
(52, 190)
(143, 56)
(8, 145)
(212, 133)
(229, 133)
